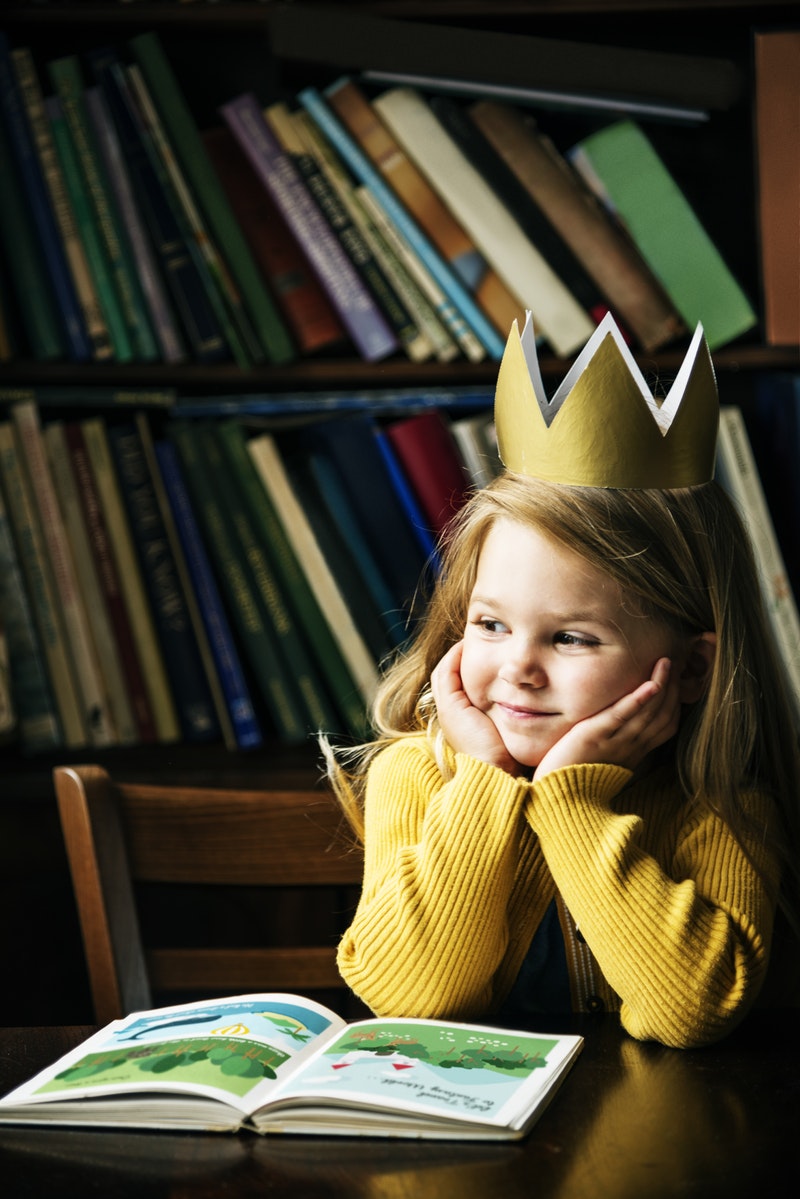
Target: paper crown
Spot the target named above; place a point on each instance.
(603, 427)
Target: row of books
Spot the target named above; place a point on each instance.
(163, 578)
(399, 223)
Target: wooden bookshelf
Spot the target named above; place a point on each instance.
(235, 37)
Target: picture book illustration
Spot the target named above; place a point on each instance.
(229, 1046)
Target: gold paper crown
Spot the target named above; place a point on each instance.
(603, 427)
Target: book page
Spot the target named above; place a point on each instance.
(234, 1050)
(437, 1069)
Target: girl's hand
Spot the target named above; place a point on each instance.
(624, 733)
(466, 728)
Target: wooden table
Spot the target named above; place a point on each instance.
(631, 1121)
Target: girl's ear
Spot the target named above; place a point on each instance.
(697, 667)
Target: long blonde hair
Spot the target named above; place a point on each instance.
(685, 558)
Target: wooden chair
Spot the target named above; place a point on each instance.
(121, 837)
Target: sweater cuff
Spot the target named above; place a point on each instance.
(587, 785)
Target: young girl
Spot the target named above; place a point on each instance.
(584, 790)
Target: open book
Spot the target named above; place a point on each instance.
(278, 1063)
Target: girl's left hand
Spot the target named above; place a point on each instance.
(624, 733)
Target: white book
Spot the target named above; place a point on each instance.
(737, 471)
(477, 441)
(275, 479)
(504, 244)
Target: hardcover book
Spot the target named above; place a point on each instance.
(278, 1063)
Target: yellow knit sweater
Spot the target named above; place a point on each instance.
(674, 917)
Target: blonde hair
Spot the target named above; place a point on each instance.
(684, 557)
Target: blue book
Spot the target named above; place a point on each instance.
(313, 101)
(407, 495)
(184, 665)
(27, 164)
(244, 720)
(354, 303)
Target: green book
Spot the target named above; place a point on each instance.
(256, 633)
(622, 166)
(233, 443)
(67, 79)
(256, 302)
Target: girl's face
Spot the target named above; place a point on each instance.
(550, 640)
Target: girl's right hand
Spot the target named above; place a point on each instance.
(466, 729)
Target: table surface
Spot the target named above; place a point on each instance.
(630, 1121)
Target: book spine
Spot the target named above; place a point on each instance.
(665, 227)
(27, 164)
(244, 720)
(299, 597)
(40, 589)
(222, 295)
(306, 309)
(178, 266)
(85, 290)
(184, 576)
(32, 295)
(38, 726)
(354, 304)
(110, 664)
(162, 317)
(188, 142)
(275, 479)
(557, 314)
(89, 231)
(433, 465)
(360, 119)
(408, 496)
(297, 142)
(67, 79)
(458, 295)
(256, 634)
(96, 709)
(167, 601)
(137, 606)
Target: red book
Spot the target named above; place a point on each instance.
(306, 308)
(433, 465)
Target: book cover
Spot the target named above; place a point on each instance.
(609, 256)
(173, 251)
(182, 658)
(243, 718)
(540, 232)
(558, 315)
(465, 311)
(358, 115)
(303, 676)
(113, 595)
(279, 1063)
(35, 710)
(23, 155)
(33, 98)
(738, 473)
(306, 309)
(162, 316)
(256, 633)
(40, 588)
(67, 78)
(777, 135)
(96, 714)
(187, 140)
(634, 180)
(88, 581)
(431, 460)
(298, 594)
(357, 310)
(342, 37)
(30, 292)
(277, 482)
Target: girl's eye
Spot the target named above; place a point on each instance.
(573, 639)
(492, 626)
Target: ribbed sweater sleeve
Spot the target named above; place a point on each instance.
(674, 911)
(431, 929)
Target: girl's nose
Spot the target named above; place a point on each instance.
(523, 668)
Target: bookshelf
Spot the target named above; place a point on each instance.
(716, 163)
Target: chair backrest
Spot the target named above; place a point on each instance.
(121, 837)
